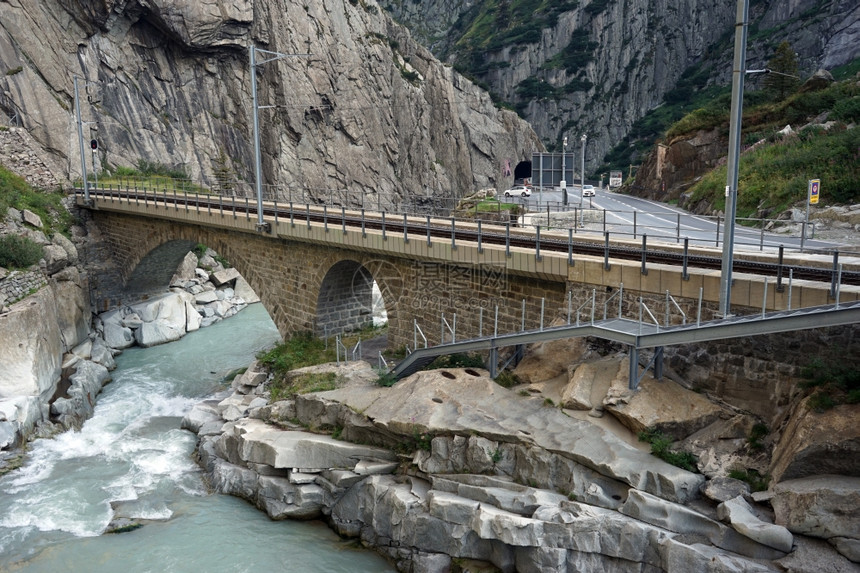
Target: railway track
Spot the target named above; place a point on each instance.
(433, 229)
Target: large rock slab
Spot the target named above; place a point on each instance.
(820, 506)
(588, 384)
(466, 401)
(31, 347)
(681, 519)
(664, 405)
(818, 443)
(739, 514)
(185, 271)
(244, 291)
(73, 305)
(546, 360)
(261, 443)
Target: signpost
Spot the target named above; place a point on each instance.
(814, 189)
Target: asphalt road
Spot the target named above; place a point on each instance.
(633, 217)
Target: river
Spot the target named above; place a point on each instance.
(133, 454)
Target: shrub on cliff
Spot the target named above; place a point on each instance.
(18, 252)
(15, 192)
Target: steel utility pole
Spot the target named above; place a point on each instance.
(582, 165)
(81, 144)
(563, 181)
(258, 170)
(738, 73)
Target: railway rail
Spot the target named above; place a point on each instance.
(483, 234)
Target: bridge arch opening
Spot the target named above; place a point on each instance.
(349, 299)
(156, 268)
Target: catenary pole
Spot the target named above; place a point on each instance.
(738, 73)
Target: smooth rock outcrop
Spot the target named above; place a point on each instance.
(31, 347)
(661, 404)
(738, 513)
(816, 443)
(466, 402)
(824, 506)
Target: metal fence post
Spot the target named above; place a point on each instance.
(606, 251)
(644, 253)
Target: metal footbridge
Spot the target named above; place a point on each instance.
(638, 335)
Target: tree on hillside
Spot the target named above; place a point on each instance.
(782, 80)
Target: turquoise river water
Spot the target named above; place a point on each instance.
(132, 452)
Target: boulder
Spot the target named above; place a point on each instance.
(547, 360)
(56, 258)
(202, 413)
(62, 241)
(186, 270)
(588, 384)
(31, 218)
(223, 277)
(73, 306)
(823, 506)
(101, 354)
(244, 291)
(116, 335)
(661, 404)
(80, 399)
(260, 443)
(31, 347)
(815, 443)
(18, 418)
(155, 333)
(205, 297)
(192, 317)
(681, 519)
(164, 319)
(738, 513)
(721, 446)
(722, 489)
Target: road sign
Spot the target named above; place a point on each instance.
(814, 188)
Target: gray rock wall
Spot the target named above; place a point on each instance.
(368, 112)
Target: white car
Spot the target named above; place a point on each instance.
(588, 190)
(519, 190)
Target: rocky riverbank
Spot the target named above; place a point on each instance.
(57, 355)
(447, 468)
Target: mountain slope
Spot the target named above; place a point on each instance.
(368, 112)
(598, 66)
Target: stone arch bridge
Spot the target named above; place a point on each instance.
(317, 274)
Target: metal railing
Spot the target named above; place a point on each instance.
(549, 216)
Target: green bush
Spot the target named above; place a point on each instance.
(756, 481)
(15, 192)
(660, 447)
(18, 252)
(834, 382)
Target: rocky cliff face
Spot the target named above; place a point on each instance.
(367, 111)
(597, 67)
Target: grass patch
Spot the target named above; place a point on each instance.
(507, 379)
(459, 360)
(833, 382)
(292, 384)
(777, 175)
(757, 432)
(756, 481)
(297, 351)
(16, 192)
(660, 447)
(19, 252)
